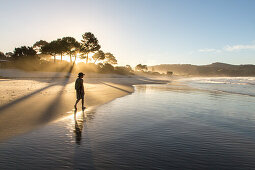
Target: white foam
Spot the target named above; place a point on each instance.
(238, 85)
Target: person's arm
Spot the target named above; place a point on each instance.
(82, 86)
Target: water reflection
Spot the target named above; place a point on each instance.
(78, 126)
(154, 129)
(80, 121)
(165, 88)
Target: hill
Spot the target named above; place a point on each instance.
(214, 69)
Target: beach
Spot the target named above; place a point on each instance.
(158, 126)
(131, 122)
(127, 85)
(32, 99)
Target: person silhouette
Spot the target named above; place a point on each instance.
(79, 90)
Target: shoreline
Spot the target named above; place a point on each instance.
(30, 103)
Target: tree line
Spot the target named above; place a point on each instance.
(68, 46)
(63, 46)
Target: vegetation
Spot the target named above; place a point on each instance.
(42, 56)
(125, 70)
(89, 44)
(105, 68)
(51, 49)
(98, 56)
(141, 67)
(170, 73)
(24, 53)
(53, 56)
(39, 58)
(2, 56)
(110, 59)
(38, 46)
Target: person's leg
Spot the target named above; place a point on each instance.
(77, 101)
(82, 102)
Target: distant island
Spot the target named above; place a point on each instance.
(214, 69)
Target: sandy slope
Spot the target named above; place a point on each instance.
(26, 103)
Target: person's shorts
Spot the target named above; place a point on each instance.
(79, 94)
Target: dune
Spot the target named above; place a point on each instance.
(27, 102)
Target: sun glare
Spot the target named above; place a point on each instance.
(78, 59)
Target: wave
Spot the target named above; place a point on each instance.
(236, 85)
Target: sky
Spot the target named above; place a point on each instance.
(139, 31)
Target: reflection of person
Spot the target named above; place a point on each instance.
(78, 128)
(79, 90)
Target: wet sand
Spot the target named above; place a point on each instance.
(27, 103)
(156, 127)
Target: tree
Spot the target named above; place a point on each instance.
(110, 59)
(98, 56)
(141, 67)
(2, 56)
(89, 44)
(61, 47)
(9, 54)
(170, 73)
(51, 49)
(124, 70)
(71, 46)
(38, 45)
(106, 68)
(129, 68)
(24, 52)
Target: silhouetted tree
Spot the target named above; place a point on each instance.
(62, 47)
(98, 56)
(9, 54)
(110, 59)
(89, 44)
(129, 68)
(122, 70)
(106, 68)
(170, 73)
(2, 56)
(38, 45)
(24, 52)
(141, 67)
(51, 49)
(71, 46)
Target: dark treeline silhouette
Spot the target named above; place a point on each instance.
(3, 56)
(42, 56)
(53, 56)
(215, 69)
(141, 67)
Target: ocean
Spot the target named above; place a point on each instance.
(210, 125)
(237, 85)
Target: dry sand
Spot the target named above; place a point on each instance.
(27, 102)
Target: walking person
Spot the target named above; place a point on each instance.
(79, 91)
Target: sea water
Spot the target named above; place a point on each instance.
(238, 85)
(156, 127)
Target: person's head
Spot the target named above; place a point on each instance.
(80, 75)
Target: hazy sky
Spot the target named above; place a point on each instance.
(139, 31)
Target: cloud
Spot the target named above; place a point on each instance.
(228, 48)
(205, 50)
(239, 47)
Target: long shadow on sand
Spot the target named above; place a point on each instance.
(115, 87)
(8, 105)
(15, 121)
(49, 113)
